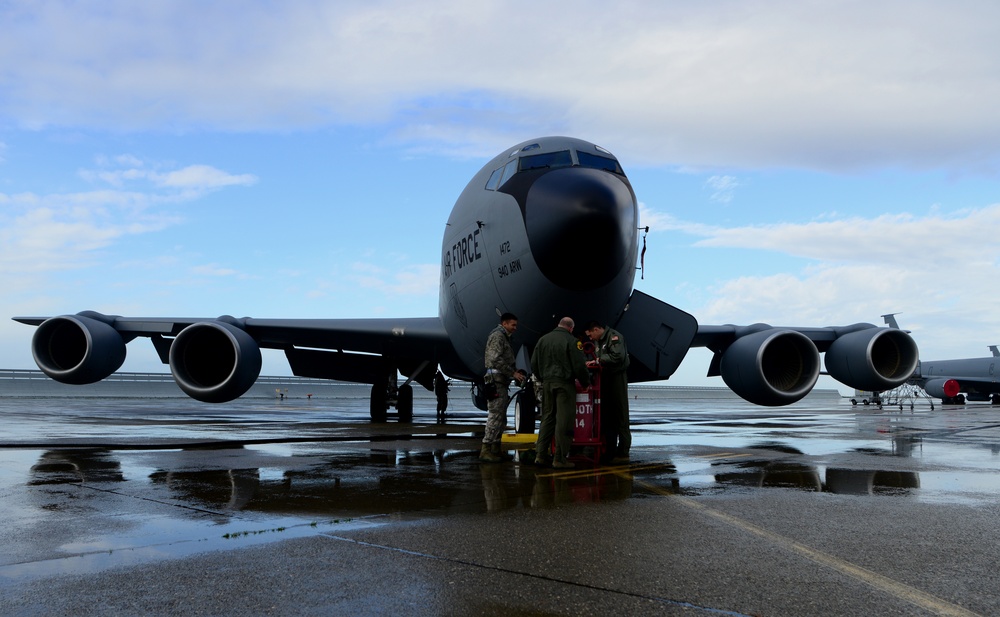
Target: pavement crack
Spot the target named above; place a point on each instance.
(541, 577)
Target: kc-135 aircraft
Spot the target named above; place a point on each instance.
(954, 381)
(547, 228)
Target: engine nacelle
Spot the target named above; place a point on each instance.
(942, 388)
(873, 359)
(771, 367)
(214, 361)
(77, 349)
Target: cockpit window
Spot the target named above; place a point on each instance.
(494, 181)
(508, 170)
(547, 160)
(551, 160)
(599, 162)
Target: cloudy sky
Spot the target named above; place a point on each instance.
(799, 163)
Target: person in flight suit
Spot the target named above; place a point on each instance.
(612, 357)
(558, 361)
(500, 369)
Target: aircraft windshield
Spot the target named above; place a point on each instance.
(599, 162)
(549, 159)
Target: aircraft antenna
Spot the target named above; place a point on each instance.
(642, 256)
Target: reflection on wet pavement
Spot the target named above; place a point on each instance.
(141, 499)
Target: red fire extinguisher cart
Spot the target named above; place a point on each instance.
(587, 424)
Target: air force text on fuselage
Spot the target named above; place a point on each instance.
(463, 252)
(466, 251)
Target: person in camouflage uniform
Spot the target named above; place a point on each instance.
(558, 362)
(612, 357)
(500, 369)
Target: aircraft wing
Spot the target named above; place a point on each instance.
(770, 365)
(225, 351)
(765, 365)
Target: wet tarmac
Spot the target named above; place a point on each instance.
(132, 506)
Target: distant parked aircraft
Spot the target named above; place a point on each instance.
(955, 381)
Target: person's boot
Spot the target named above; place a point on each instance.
(542, 460)
(562, 463)
(486, 454)
(499, 453)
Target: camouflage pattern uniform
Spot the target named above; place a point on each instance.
(613, 358)
(558, 362)
(500, 368)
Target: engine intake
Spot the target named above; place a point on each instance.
(214, 361)
(77, 349)
(771, 367)
(873, 359)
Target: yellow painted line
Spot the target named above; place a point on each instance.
(581, 471)
(724, 455)
(567, 474)
(900, 590)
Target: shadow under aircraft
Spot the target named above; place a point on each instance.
(547, 228)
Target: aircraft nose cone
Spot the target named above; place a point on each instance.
(581, 226)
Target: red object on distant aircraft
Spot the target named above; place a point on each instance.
(951, 388)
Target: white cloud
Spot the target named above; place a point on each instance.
(201, 177)
(198, 178)
(723, 188)
(410, 280)
(831, 86)
(214, 270)
(654, 219)
(58, 232)
(936, 269)
(959, 240)
(46, 233)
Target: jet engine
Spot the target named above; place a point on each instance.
(942, 388)
(771, 367)
(873, 359)
(78, 349)
(214, 361)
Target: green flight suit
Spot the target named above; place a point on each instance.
(613, 358)
(558, 362)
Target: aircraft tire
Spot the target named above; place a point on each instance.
(404, 403)
(378, 401)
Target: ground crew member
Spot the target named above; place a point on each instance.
(500, 369)
(612, 357)
(441, 392)
(558, 361)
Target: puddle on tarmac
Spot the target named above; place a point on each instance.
(144, 505)
(167, 537)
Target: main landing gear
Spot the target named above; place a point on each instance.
(388, 394)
